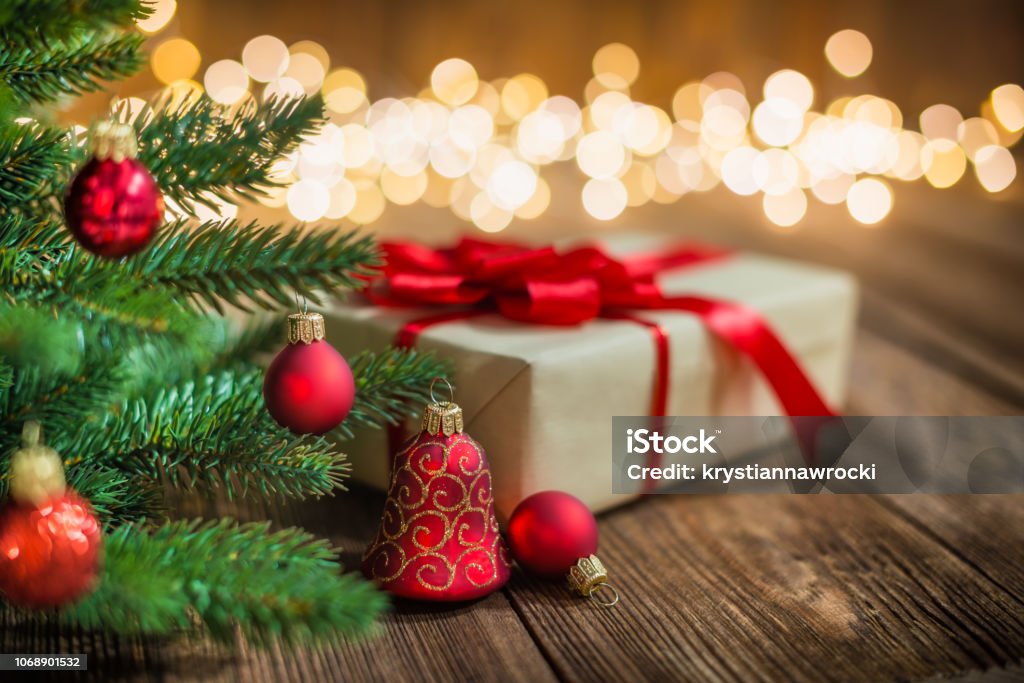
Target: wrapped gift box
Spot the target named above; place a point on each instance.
(540, 398)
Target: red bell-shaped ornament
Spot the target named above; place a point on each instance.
(438, 538)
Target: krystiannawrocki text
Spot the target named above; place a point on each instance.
(760, 472)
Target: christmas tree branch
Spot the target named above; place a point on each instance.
(198, 149)
(29, 20)
(62, 403)
(117, 497)
(31, 158)
(30, 248)
(89, 346)
(73, 284)
(213, 433)
(243, 264)
(272, 587)
(390, 386)
(70, 66)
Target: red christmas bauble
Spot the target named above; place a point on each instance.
(309, 388)
(49, 553)
(549, 531)
(112, 207)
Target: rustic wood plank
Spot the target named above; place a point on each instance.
(775, 588)
(940, 345)
(984, 530)
(887, 379)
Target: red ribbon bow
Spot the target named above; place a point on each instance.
(547, 287)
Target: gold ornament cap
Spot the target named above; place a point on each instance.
(37, 473)
(305, 327)
(589, 578)
(113, 140)
(442, 417)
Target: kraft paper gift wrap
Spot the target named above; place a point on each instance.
(540, 399)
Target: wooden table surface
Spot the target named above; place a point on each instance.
(733, 588)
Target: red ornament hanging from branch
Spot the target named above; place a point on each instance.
(113, 205)
(50, 537)
(438, 539)
(308, 387)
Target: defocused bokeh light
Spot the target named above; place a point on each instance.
(175, 59)
(226, 81)
(849, 52)
(479, 146)
(265, 58)
(162, 11)
(869, 200)
(1008, 106)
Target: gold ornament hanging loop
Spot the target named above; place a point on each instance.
(595, 595)
(442, 417)
(451, 390)
(589, 578)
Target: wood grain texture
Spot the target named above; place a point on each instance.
(887, 379)
(985, 531)
(777, 588)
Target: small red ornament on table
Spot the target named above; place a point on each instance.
(553, 534)
(308, 387)
(113, 205)
(50, 538)
(438, 539)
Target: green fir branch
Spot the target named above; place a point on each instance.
(117, 497)
(29, 20)
(82, 286)
(166, 360)
(390, 386)
(198, 150)
(208, 266)
(30, 249)
(72, 66)
(62, 403)
(242, 265)
(31, 159)
(6, 373)
(213, 434)
(275, 587)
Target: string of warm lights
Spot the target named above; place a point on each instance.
(480, 147)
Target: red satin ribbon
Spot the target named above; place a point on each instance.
(543, 286)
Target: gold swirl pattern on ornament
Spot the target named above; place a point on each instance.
(434, 570)
(497, 551)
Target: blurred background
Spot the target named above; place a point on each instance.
(880, 137)
(477, 106)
